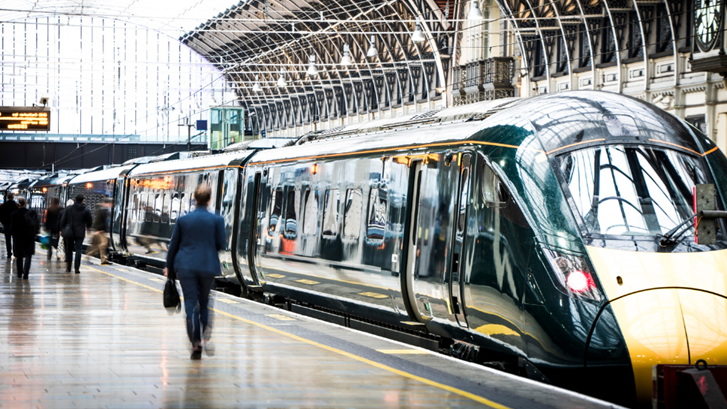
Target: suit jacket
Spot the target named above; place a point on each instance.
(196, 239)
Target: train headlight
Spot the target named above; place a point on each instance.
(571, 275)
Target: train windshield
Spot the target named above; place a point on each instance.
(622, 190)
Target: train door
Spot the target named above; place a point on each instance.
(434, 250)
(119, 205)
(460, 233)
(256, 236)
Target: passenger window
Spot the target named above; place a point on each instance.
(376, 226)
(352, 213)
(134, 206)
(330, 213)
(310, 215)
(276, 207)
(174, 214)
(291, 212)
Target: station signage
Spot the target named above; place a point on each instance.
(24, 119)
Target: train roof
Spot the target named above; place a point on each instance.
(568, 120)
(199, 163)
(52, 180)
(104, 174)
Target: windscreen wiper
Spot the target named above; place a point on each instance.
(673, 235)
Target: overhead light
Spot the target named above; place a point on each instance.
(346, 59)
(475, 12)
(256, 87)
(312, 70)
(281, 81)
(373, 52)
(418, 36)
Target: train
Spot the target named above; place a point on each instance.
(528, 232)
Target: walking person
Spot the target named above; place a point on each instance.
(52, 225)
(74, 222)
(99, 241)
(24, 226)
(6, 210)
(193, 259)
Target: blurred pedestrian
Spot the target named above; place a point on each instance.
(99, 241)
(6, 210)
(193, 259)
(52, 225)
(24, 226)
(74, 222)
(61, 241)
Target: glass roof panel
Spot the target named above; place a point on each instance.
(174, 17)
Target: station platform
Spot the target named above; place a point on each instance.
(102, 339)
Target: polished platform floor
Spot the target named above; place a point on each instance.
(101, 339)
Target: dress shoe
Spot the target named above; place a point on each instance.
(196, 354)
(78, 271)
(25, 277)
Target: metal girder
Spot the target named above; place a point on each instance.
(337, 91)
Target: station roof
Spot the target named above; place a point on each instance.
(163, 15)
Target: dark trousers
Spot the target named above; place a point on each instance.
(71, 246)
(8, 241)
(196, 291)
(23, 266)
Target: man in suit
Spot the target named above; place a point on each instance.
(75, 221)
(193, 259)
(6, 210)
(24, 226)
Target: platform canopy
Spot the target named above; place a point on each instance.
(305, 61)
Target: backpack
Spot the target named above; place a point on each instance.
(31, 222)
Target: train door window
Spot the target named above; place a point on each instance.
(185, 205)
(376, 226)
(497, 196)
(464, 198)
(352, 213)
(165, 207)
(157, 209)
(276, 207)
(149, 207)
(330, 213)
(134, 206)
(174, 212)
(291, 212)
(310, 213)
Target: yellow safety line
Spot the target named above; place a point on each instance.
(460, 392)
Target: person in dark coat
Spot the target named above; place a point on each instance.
(74, 222)
(24, 226)
(6, 210)
(193, 258)
(52, 224)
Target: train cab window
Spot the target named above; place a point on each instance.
(330, 213)
(497, 197)
(291, 212)
(165, 207)
(158, 198)
(174, 212)
(310, 213)
(352, 213)
(276, 207)
(376, 224)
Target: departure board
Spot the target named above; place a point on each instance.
(24, 119)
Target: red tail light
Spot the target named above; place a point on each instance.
(580, 281)
(571, 274)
